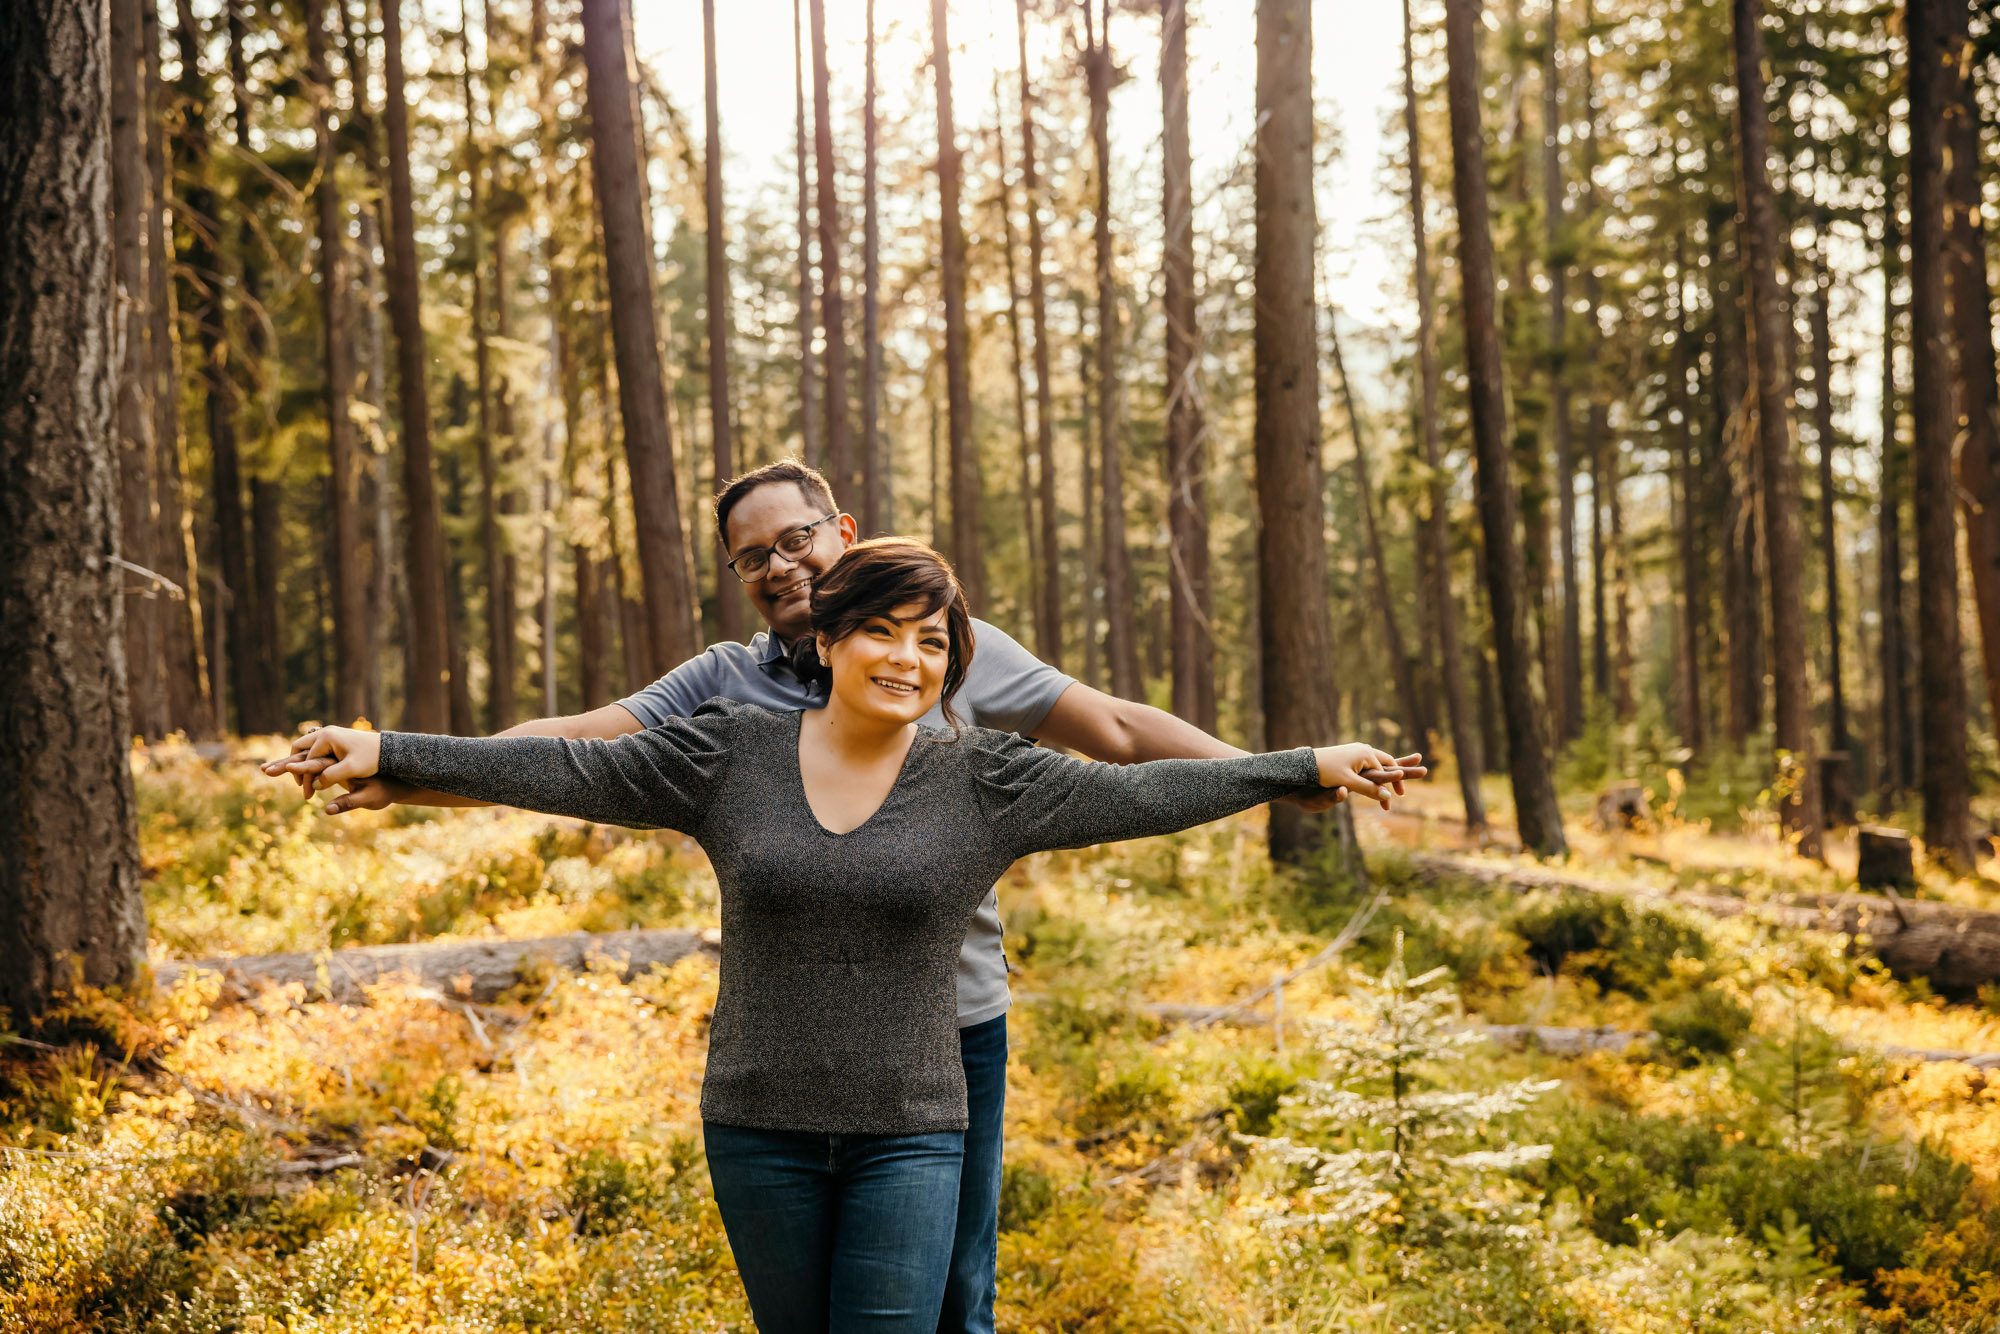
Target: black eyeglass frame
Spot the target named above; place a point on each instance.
(777, 548)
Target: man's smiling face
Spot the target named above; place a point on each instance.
(783, 597)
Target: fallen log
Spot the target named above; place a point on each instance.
(473, 970)
(1955, 949)
(1557, 1040)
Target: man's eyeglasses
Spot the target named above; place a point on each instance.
(752, 565)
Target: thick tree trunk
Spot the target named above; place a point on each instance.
(1970, 292)
(966, 485)
(1401, 665)
(832, 300)
(642, 397)
(1567, 686)
(1898, 768)
(1049, 611)
(1791, 662)
(1536, 814)
(876, 508)
(137, 509)
(181, 638)
(350, 593)
(1295, 628)
(1822, 358)
(1944, 779)
(427, 660)
(731, 612)
(1190, 597)
(808, 377)
(1468, 754)
(69, 855)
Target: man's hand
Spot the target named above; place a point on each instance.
(362, 794)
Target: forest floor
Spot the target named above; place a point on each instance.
(419, 1163)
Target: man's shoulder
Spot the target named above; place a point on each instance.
(996, 651)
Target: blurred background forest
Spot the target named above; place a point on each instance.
(1631, 446)
(542, 357)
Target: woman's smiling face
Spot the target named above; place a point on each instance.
(892, 668)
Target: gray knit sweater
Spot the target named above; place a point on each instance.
(837, 1005)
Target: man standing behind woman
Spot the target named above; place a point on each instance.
(783, 533)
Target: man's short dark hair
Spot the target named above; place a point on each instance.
(811, 483)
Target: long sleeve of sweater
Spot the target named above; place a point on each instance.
(1039, 799)
(662, 778)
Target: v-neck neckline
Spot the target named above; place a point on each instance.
(799, 775)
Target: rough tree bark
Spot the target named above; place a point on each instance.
(1295, 631)
(1049, 611)
(1467, 752)
(69, 854)
(1537, 815)
(642, 397)
(1121, 644)
(1791, 659)
(426, 663)
(732, 614)
(1190, 596)
(832, 301)
(1944, 779)
(965, 480)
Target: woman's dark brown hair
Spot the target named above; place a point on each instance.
(874, 578)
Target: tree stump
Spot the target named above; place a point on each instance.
(1623, 806)
(1885, 858)
(1836, 789)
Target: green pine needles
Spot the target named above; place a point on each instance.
(1384, 1143)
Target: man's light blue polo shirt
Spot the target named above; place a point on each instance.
(1007, 689)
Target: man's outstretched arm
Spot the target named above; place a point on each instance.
(1118, 731)
(374, 794)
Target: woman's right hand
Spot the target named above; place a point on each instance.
(1366, 771)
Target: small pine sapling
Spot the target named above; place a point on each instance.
(1384, 1143)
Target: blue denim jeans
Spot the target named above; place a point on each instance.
(968, 1295)
(838, 1234)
